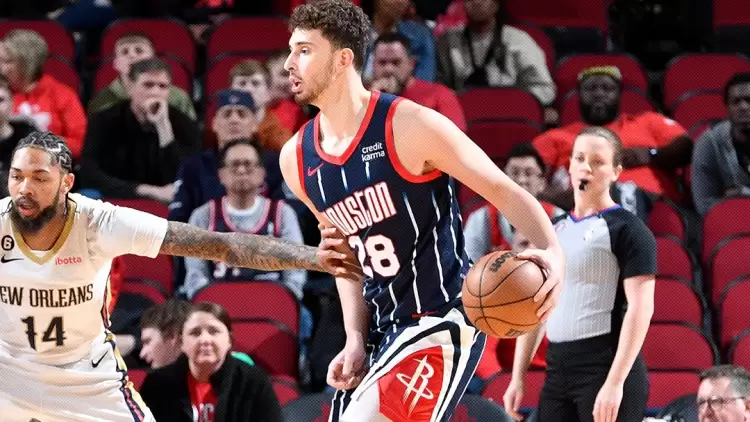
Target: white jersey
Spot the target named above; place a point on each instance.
(53, 304)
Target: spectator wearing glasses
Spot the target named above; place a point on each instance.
(724, 394)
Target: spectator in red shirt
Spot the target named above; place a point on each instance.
(393, 72)
(206, 383)
(656, 147)
(53, 106)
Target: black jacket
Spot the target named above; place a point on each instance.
(244, 393)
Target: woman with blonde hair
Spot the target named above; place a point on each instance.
(52, 105)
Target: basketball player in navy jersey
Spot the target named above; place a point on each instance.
(377, 170)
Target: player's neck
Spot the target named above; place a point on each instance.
(202, 373)
(343, 109)
(587, 205)
(241, 201)
(482, 27)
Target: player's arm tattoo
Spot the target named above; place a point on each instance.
(238, 249)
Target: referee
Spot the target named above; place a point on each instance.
(594, 368)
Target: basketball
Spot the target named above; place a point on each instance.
(498, 294)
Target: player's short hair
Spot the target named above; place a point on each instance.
(343, 23)
(249, 67)
(738, 376)
(135, 37)
(614, 141)
(737, 79)
(168, 317)
(392, 37)
(231, 144)
(527, 150)
(153, 64)
(54, 145)
(214, 309)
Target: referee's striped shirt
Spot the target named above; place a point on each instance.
(601, 251)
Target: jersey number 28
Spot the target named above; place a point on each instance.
(53, 333)
(381, 253)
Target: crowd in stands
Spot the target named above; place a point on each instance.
(191, 130)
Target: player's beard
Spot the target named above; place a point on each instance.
(316, 85)
(32, 225)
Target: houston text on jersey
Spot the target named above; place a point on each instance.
(362, 209)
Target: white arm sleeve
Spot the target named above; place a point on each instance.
(123, 231)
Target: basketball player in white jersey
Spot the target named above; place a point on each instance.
(58, 362)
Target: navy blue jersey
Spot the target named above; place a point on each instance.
(268, 225)
(405, 229)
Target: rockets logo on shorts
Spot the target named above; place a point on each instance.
(410, 391)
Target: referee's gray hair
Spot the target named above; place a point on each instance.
(738, 377)
(52, 144)
(614, 141)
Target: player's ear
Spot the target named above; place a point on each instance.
(345, 58)
(68, 181)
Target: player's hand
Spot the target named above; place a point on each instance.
(156, 109)
(552, 262)
(335, 255)
(348, 368)
(607, 402)
(512, 398)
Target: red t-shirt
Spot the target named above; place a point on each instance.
(650, 130)
(203, 399)
(437, 97)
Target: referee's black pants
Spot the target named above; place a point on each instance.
(576, 371)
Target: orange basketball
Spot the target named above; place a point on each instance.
(498, 294)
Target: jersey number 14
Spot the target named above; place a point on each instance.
(53, 333)
(380, 253)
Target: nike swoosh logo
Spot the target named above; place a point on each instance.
(311, 172)
(5, 260)
(96, 364)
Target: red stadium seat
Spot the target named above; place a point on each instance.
(59, 41)
(248, 35)
(145, 205)
(692, 73)
(63, 71)
(217, 76)
(561, 13)
(665, 348)
(666, 386)
(168, 36)
(728, 264)
(254, 299)
(501, 104)
(181, 76)
(678, 301)
(498, 383)
(673, 260)
(667, 221)
(286, 389)
(151, 291)
(700, 108)
(273, 346)
(631, 101)
(721, 222)
(731, 25)
(732, 311)
(566, 73)
(739, 352)
(157, 270)
(136, 377)
(497, 138)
